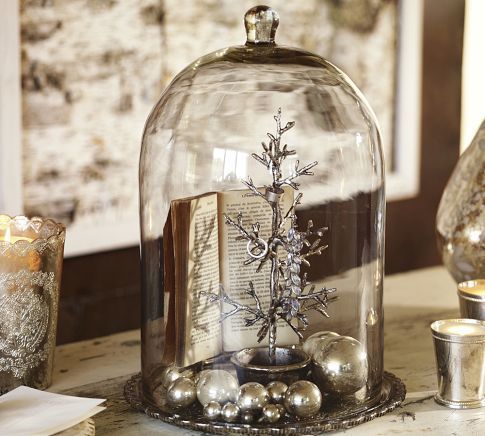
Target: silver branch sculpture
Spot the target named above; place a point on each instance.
(290, 298)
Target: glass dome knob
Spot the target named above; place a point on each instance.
(261, 23)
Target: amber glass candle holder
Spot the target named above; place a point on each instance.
(31, 254)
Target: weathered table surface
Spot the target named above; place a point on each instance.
(100, 367)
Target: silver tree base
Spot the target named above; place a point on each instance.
(254, 364)
(392, 395)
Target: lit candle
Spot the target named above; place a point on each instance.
(8, 237)
(460, 359)
(30, 272)
(459, 329)
(472, 299)
(473, 287)
(13, 260)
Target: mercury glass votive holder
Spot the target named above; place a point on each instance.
(472, 299)
(460, 358)
(31, 255)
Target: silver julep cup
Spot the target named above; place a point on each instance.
(460, 358)
(472, 299)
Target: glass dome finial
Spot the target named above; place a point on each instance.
(261, 23)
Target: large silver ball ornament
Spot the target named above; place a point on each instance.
(271, 413)
(303, 399)
(212, 410)
(182, 392)
(252, 397)
(230, 412)
(310, 344)
(276, 391)
(340, 366)
(200, 374)
(217, 385)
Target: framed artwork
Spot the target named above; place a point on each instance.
(92, 70)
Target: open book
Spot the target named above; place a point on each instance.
(200, 255)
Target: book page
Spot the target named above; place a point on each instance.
(203, 327)
(235, 276)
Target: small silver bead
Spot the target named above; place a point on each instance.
(247, 417)
(303, 399)
(230, 412)
(212, 410)
(170, 374)
(276, 391)
(181, 392)
(252, 397)
(281, 408)
(271, 413)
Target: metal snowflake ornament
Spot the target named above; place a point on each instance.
(292, 295)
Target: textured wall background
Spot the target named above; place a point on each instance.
(92, 70)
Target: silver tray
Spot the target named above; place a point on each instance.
(392, 395)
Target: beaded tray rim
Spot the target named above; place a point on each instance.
(393, 394)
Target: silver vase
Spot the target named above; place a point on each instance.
(460, 222)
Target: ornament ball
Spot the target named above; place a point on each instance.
(303, 399)
(276, 391)
(281, 408)
(230, 412)
(217, 385)
(316, 341)
(170, 374)
(252, 397)
(340, 366)
(212, 410)
(247, 417)
(200, 374)
(271, 413)
(182, 392)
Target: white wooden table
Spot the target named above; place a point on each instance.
(100, 367)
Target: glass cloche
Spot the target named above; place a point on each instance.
(262, 216)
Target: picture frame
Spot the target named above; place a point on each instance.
(403, 181)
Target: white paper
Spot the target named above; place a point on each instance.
(27, 411)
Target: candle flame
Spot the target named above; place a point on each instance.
(463, 330)
(12, 238)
